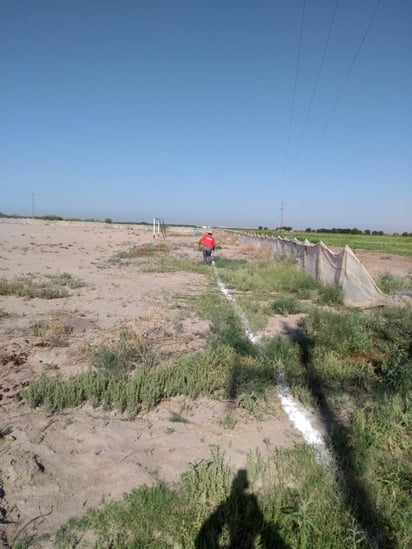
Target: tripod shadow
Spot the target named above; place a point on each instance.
(239, 519)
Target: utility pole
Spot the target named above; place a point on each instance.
(32, 205)
(281, 217)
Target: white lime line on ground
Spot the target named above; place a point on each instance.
(297, 414)
(246, 326)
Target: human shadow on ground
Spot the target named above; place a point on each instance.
(239, 521)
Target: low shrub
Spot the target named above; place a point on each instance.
(285, 306)
(390, 284)
(54, 287)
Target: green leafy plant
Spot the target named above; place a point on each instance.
(390, 284)
(228, 421)
(285, 306)
(330, 295)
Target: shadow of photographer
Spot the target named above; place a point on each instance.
(238, 522)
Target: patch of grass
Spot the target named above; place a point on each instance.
(275, 276)
(156, 257)
(375, 346)
(227, 263)
(213, 506)
(201, 373)
(345, 332)
(125, 377)
(229, 420)
(54, 287)
(31, 541)
(286, 306)
(218, 370)
(330, 295)
(54, 332)
(391, 331)
(389, 284)
(143, 250)
(226, 329)
(125, 355)
(66, 280)
(173, 264)
(256, 307)
(366, 357)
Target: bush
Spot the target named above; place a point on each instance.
(330, 295)
(285, 306)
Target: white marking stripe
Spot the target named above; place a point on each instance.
(294, 410)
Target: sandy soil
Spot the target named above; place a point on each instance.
(55, 467)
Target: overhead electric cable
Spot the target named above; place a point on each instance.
(315, 86)
(294, 90)
(345, 81)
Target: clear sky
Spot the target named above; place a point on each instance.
(211, 112)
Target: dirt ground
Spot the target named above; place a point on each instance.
(53, 467)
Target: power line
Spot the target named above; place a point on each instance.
(294, 89)
(345, 81)
(315, 86)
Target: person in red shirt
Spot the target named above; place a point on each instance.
(208, 243)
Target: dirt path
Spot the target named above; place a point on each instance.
(55, 467)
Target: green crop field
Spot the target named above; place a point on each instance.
(389, 244)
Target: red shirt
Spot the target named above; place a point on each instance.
(208, 241)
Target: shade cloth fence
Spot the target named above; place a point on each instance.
(343, 268)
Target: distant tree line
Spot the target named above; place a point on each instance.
(352, 231)
(280, 229)
(336, 230)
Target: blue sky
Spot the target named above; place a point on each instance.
(208, 112)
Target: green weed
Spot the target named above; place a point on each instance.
(109, 386)
(285, 306)
(65, 280)
(367, 357)
(330, 295)
(156, 257)
(226, 329)
(172, 264)
(125, 355)
(229, 421)
(389, 284)
(256, 307)
(54, 287)
(54, 332)
(213, 506)
(279, 276)
(232, 264)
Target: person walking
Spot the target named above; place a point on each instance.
(208, 244)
